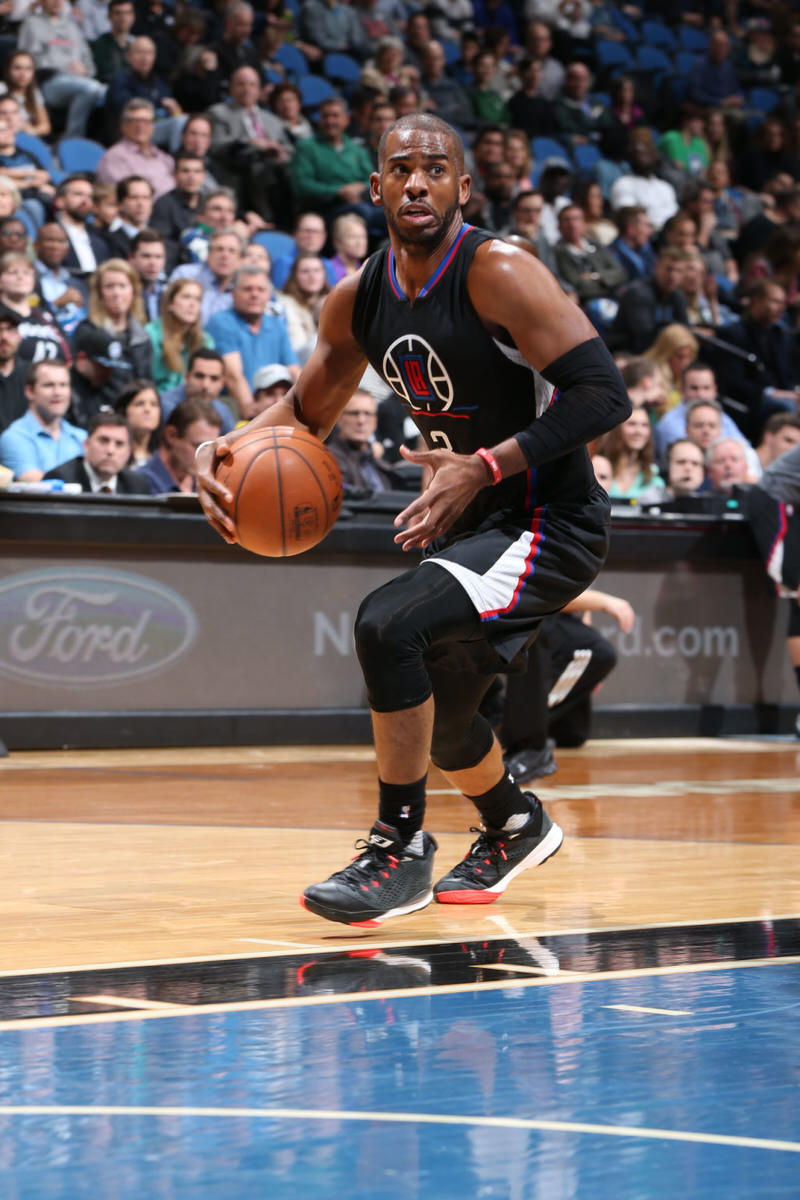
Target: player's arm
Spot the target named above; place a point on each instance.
(313, 402)
(514, 294)
(593, 600)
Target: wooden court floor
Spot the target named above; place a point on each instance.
(161, 855)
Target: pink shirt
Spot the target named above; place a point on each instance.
(125, 158)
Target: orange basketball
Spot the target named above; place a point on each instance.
(287, 490)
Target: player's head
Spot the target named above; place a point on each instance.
(420, 181)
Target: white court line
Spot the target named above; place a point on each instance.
(661, 1012)
(317, 1114)
(644, 791)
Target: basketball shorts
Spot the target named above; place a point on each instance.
(776, 529)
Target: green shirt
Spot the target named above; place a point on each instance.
(319, 169)
(693, 157)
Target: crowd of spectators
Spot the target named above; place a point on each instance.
(182, 184)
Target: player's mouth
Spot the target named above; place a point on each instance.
(417, 214)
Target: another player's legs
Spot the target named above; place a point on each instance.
(516, 833)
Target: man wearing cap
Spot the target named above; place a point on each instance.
(205, 379)
(270, 384)
(101, 467)
(99, 370)
(12, 372)
(42, 438)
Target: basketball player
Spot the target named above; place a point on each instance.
(484, 350)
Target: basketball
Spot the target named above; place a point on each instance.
(287, 491)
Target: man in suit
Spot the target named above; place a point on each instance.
(251, 144)
(73, 205)
(101, 467)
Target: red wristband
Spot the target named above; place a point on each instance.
(491, 463)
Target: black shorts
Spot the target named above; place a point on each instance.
(516, 575)
(776, 529)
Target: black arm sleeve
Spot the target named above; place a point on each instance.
(591, 400)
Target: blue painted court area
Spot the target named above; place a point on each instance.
(472, 1077)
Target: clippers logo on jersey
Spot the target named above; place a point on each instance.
(415, 372)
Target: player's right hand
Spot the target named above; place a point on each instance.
(210, 492)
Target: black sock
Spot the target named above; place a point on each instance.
(500, 802)
(403, 805)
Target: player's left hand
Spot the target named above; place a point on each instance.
(455, 480)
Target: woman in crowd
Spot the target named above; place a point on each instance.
(629, 449)
(19, 81)
(589, 196)
(624, 109)
(139, 404)
(519, 158)
(177, 333)
(10, 198)
(350, 241)
(673, 350)
(287, 104)
(701, 291)
(41, 336)
(770, 155)
(716, 136)
(685, 146)
(115, 304)
(386, 71)
(303, 294)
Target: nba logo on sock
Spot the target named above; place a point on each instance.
(405, 811)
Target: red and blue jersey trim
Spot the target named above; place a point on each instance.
(537, 528)
(437, 274)
(783, 525)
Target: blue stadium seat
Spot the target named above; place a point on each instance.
(276, 242)
(452, 51)
(35, 146)
(694, 40)
(654, 33)
(543, 148)
(611, 56)
(685, 61)
(585, 158)
(625, 25)
(79, 154)
(293, 61)
(651, 59)
(314, 89)
(763, 100)
(341, 68)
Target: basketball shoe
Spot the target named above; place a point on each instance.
(497, 856)
(387, 879)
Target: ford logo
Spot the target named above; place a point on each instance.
(82, 627)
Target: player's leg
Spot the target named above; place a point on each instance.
(396, 627)
(516, 831)
(793, 644)
(526, 719)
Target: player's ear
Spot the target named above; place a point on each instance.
(464, 189)
(375, 188)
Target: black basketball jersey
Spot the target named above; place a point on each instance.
(462, 387)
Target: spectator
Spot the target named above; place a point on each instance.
(270, 384)
(519, 157)
(139, 404)
(602, 471)
(10, 201)
(134, 154)
(757, 61)
(418, 35)
(672, 351)
(99, 371)
(769, 384)
(756, 232)
(106, 207)
(588, 195)
(196, 139)
(55, 43)
(332, 26)
(286, 103)
(643, 186)
(625, 112)
(381, 117)
(699, 385)
(648, 305)
(101, 468)
(197, 82)
(178, 332)
(205, 380)
(487, 103)
(686, 146)
(591, 271)
(554, 183)
(309, 235)
(171, 467)
(73, 205)
(780, 433)
(529, 108)
(538, 44)
(176, 211)
(110, 49)
(350, 243)
(779, 262)
(644, 383)
(771, 155)
(41, 336)
(64, 294)
(730, 206)
(21, 166)
(726, 466)
(716, 135)
(405, 100)
(703, 309)
(115, 304)
(499, 188)
(698, 206)
(217, 274)
(217, 211)
(329, 170)
(632, 247)
(686, 474)
(303, 295)
(712, 81)
(42, 438)
(13, 402)
(386, 71)
(629, 448)
(19, 75)
(441, 94)
(357, 450)
(148, 257)
(578, 118)
(251, 142)
(235, 48)
(134, 209)
(246, 336)
(139, 81)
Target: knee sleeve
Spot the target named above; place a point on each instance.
(457, 744)
(398, 623)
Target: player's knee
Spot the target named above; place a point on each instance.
(456, 746)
